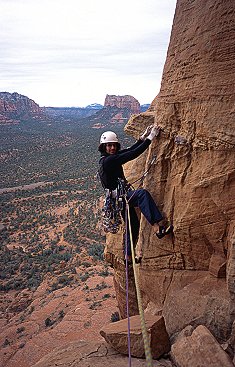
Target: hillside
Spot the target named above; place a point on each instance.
(72, 112)
(15, 107)
(52, 266)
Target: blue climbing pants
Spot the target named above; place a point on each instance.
(143, 200)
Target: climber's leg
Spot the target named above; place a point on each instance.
(141, 198)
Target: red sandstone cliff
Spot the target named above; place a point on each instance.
(14, 106)
(191, 276)
(117, 109)
(128, 102)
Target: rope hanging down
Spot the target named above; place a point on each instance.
(147, 348)
(127, 301)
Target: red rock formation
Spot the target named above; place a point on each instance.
(14, 106)
(193, 180)
(128, 102)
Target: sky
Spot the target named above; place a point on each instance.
(73, 52)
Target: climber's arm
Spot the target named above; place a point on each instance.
(125, 156)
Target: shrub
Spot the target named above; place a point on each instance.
(103, 285)
(48, 322)
(104, 273)
(84, 277)
(115, 317)
(61, 314)
(94, 305)
(96, 251)
(106, 296)
(6, 343)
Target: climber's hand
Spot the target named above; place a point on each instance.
(155, 131)
(146, 133)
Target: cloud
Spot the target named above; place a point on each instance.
(55, 46)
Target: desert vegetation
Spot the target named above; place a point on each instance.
(51, 243)
(51, 225)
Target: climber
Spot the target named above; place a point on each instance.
(111, 172)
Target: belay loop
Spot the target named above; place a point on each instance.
(113, 207)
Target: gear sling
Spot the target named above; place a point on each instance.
(113, 204)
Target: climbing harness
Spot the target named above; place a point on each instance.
(113, 203)
(145, 335)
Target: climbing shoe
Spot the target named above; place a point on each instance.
(163, 231)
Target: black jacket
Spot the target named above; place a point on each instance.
(111, 164)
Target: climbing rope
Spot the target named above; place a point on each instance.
(145, 335)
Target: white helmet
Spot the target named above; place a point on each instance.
(108, 137)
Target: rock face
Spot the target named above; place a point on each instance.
(14, 106)
(191, 275)
(128, 102)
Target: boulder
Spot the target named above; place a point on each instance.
(200, 349)
(204, 300)
(116, 334)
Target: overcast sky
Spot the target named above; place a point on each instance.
(74, 52)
